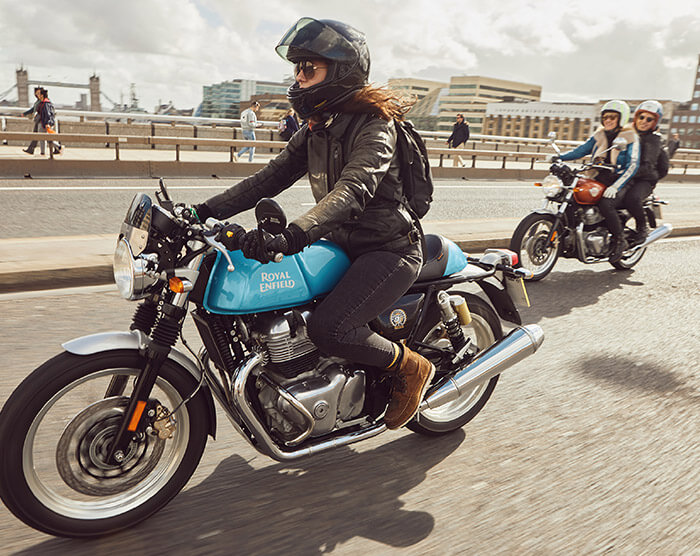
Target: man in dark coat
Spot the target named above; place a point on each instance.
(460, 135)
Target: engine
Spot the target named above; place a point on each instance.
(597, 241)
(301, 393)
(590, 215)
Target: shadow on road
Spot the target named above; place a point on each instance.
(308, 507)
(634, 374)
(560, 292)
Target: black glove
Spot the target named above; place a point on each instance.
(252, 244)
(555, 159)
(292, 240)
(231, 236)
(202, 212)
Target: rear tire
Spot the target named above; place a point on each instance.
(56, 427)
(626, 263)
(484, 330)
(530, 240)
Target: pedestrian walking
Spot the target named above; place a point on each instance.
(460, 135)
(288, 125)
(249, 121)
(47, 121)
(33, 113)
(673, 143)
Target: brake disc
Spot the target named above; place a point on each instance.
(81, 453)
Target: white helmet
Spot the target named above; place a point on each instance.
(619, 106)
(653, 107)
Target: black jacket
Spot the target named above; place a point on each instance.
(653, 161)
(357, 199)
(460, 134)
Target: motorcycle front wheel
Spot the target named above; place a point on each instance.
(531, 242)
(483, 331)
(55, 432)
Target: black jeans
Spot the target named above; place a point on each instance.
(633, 199)
(32, 145)
(371, 285)
(608, 208)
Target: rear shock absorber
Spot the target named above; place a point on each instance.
(451, 320)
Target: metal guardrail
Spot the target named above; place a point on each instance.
(439, 154)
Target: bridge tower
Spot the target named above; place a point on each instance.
(95, 93)
(22, 87)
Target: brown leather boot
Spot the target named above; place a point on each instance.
(410, 383)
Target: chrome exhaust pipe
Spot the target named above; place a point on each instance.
(515, 347)
(265, 443)
(656, 234)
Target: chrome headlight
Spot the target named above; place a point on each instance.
(552, 186)
(130, 273)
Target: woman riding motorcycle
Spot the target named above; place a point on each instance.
(348, 149)
(614, 116)
(653, 165)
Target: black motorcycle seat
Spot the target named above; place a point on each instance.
(435, 262)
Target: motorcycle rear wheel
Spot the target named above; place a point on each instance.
(626, 263)
(530, 242)
(55, 430)
(484, 330)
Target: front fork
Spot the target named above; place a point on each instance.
(165, 319)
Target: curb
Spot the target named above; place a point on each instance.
(95, 275)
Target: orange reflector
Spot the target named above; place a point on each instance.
(176, 285)
(538, 184)
(554, 235)
(136, 417)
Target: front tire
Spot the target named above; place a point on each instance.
(484, 330)
(531, 242)
(55, 429)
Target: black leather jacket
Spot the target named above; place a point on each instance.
(357, 199)
(653, 161)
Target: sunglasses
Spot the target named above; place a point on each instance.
(643, 118)
(308, 68)
(609, 117)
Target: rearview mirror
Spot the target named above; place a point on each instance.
(552, 135)
(270, 216)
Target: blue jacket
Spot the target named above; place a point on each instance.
(626, 162)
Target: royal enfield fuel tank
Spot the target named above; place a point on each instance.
(253, 287)
(588, 191)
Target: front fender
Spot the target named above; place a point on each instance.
(137, 340)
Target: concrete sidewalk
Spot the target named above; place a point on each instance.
(58, 262)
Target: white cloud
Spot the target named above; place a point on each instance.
(170, 48)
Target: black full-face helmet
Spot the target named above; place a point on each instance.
(345, 50)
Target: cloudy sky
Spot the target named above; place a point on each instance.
(576, 50)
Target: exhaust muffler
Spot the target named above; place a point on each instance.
(516, 346)
(655, 235)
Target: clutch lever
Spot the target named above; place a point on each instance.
(209, 236)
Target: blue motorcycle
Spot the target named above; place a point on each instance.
(106, 433)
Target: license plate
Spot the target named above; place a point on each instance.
(516, 289)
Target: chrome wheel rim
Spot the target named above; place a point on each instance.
(481, 335)
(534, 253)
(42, 453)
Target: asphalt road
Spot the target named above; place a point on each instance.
(590, 446)
(53, 207)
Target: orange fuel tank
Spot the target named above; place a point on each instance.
(588, 191)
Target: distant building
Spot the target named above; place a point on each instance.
(685, 120)
(417, 87)
(223, 100)
(469, 95)
(570, 121)
(425, 114)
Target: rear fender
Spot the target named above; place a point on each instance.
(136, 340)
(502, 301)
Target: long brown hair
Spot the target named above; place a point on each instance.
(383, 102)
